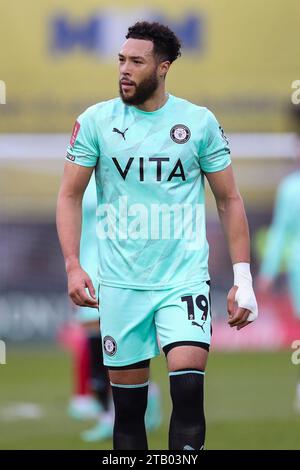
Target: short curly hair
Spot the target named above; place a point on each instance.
(166, 45)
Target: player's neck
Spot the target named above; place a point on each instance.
(157, 100)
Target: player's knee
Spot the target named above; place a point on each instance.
(130, 405)
(187, 427)
(187, 395)
(130, 394)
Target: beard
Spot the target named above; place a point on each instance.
(143, 91)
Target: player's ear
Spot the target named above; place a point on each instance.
(163, 68)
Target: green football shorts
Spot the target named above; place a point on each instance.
(135, 322)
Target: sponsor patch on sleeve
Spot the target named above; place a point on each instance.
(74, 135)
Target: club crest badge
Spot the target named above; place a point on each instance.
(110, 345)
(180, 133)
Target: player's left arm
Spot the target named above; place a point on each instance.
(234, 222)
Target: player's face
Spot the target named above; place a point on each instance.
(138, 71)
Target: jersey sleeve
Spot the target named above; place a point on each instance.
(215, 151)
(84, 147)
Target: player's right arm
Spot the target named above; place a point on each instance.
(82, 157)
(68, 217)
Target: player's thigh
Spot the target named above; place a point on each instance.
(187, 357)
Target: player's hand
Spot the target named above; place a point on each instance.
(78, 281)
(239, 316)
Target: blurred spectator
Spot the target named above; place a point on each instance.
(285, 232)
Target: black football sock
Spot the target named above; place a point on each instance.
(187, 426)
(130, 405)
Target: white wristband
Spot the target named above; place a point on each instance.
(245, 296)
(241, 273)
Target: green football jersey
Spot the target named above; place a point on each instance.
(149, 170)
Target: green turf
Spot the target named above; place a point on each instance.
(249, 401)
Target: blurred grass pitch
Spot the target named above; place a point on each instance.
(249, 401)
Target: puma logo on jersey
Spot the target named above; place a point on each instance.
(120, 132)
